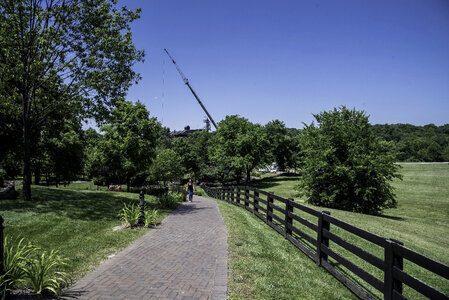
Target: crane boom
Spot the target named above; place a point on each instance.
(186, 81)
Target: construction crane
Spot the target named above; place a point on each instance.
(186, 81)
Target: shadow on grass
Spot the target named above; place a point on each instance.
(75, 204)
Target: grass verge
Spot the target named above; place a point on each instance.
(264, 265)
(421, 220)
(77, 223)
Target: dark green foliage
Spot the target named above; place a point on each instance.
(127, 148)
(237, 147)
(427, 143)
(282, 144)
(345, 165)
(58, 56)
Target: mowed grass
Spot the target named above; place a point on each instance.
(77, 223)
(421, 221)
(264, 265)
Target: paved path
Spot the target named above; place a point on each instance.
(186, 257)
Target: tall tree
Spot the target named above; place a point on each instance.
(129, 143)
(57, 53)
(345, 166)
(239, 146)
(282, 145)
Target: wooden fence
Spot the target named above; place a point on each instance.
(313, 239)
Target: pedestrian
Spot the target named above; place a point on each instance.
(190, 189)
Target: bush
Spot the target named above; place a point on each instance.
(345, 165)
(170, 200)
(130, 214)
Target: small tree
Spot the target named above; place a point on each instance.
(166, 166)
(345, 165)
(238, 146)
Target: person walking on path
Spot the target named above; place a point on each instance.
(190, 189)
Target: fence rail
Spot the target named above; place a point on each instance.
(282, 214)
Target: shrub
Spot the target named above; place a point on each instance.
(130, 214)
(345, 165)
(170, 200)
(43, 275)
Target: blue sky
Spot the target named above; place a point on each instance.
(287, 60)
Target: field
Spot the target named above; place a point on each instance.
(78, 223)
(420, 221)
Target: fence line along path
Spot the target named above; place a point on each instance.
(183, 258)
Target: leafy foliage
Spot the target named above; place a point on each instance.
(130, 214)
(427, 143)
(43, 275)
(281, 144)
(15, 259)
(166, 166)
(170, 200)
(151, 217)
(62, 55)
(128, 146)
(345, 165)
(24, 263)
(238, 146)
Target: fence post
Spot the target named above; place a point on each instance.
(269, 208)
(256, 202)
(392, 260)
(288, 219)
(246, 197)
(2, 268)
(321, 240)
(237, 194)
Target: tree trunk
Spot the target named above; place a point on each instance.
(248, 176)
(26, 159)
(37, 175)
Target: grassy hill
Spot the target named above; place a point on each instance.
(420, 221)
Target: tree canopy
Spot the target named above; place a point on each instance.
(238, 146)
(59, 55)
(344, 165)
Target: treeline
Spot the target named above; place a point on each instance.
(427, 143)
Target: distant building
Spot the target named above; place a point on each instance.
(184, 133)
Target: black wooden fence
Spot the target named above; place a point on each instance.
(267, 206)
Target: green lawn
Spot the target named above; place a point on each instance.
(421, 220)
(78, 223)
(264, 265)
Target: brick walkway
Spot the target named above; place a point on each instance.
(186, 257)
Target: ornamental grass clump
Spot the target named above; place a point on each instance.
(15, 260)
(27, 267)
(151, 217)
(43, 275)
(130, 214)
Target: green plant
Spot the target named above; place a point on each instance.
(43, 275)
(2, 177)
(151, 217)
(170, 200)
(130, 214)
(15, 259)
(4, 285)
